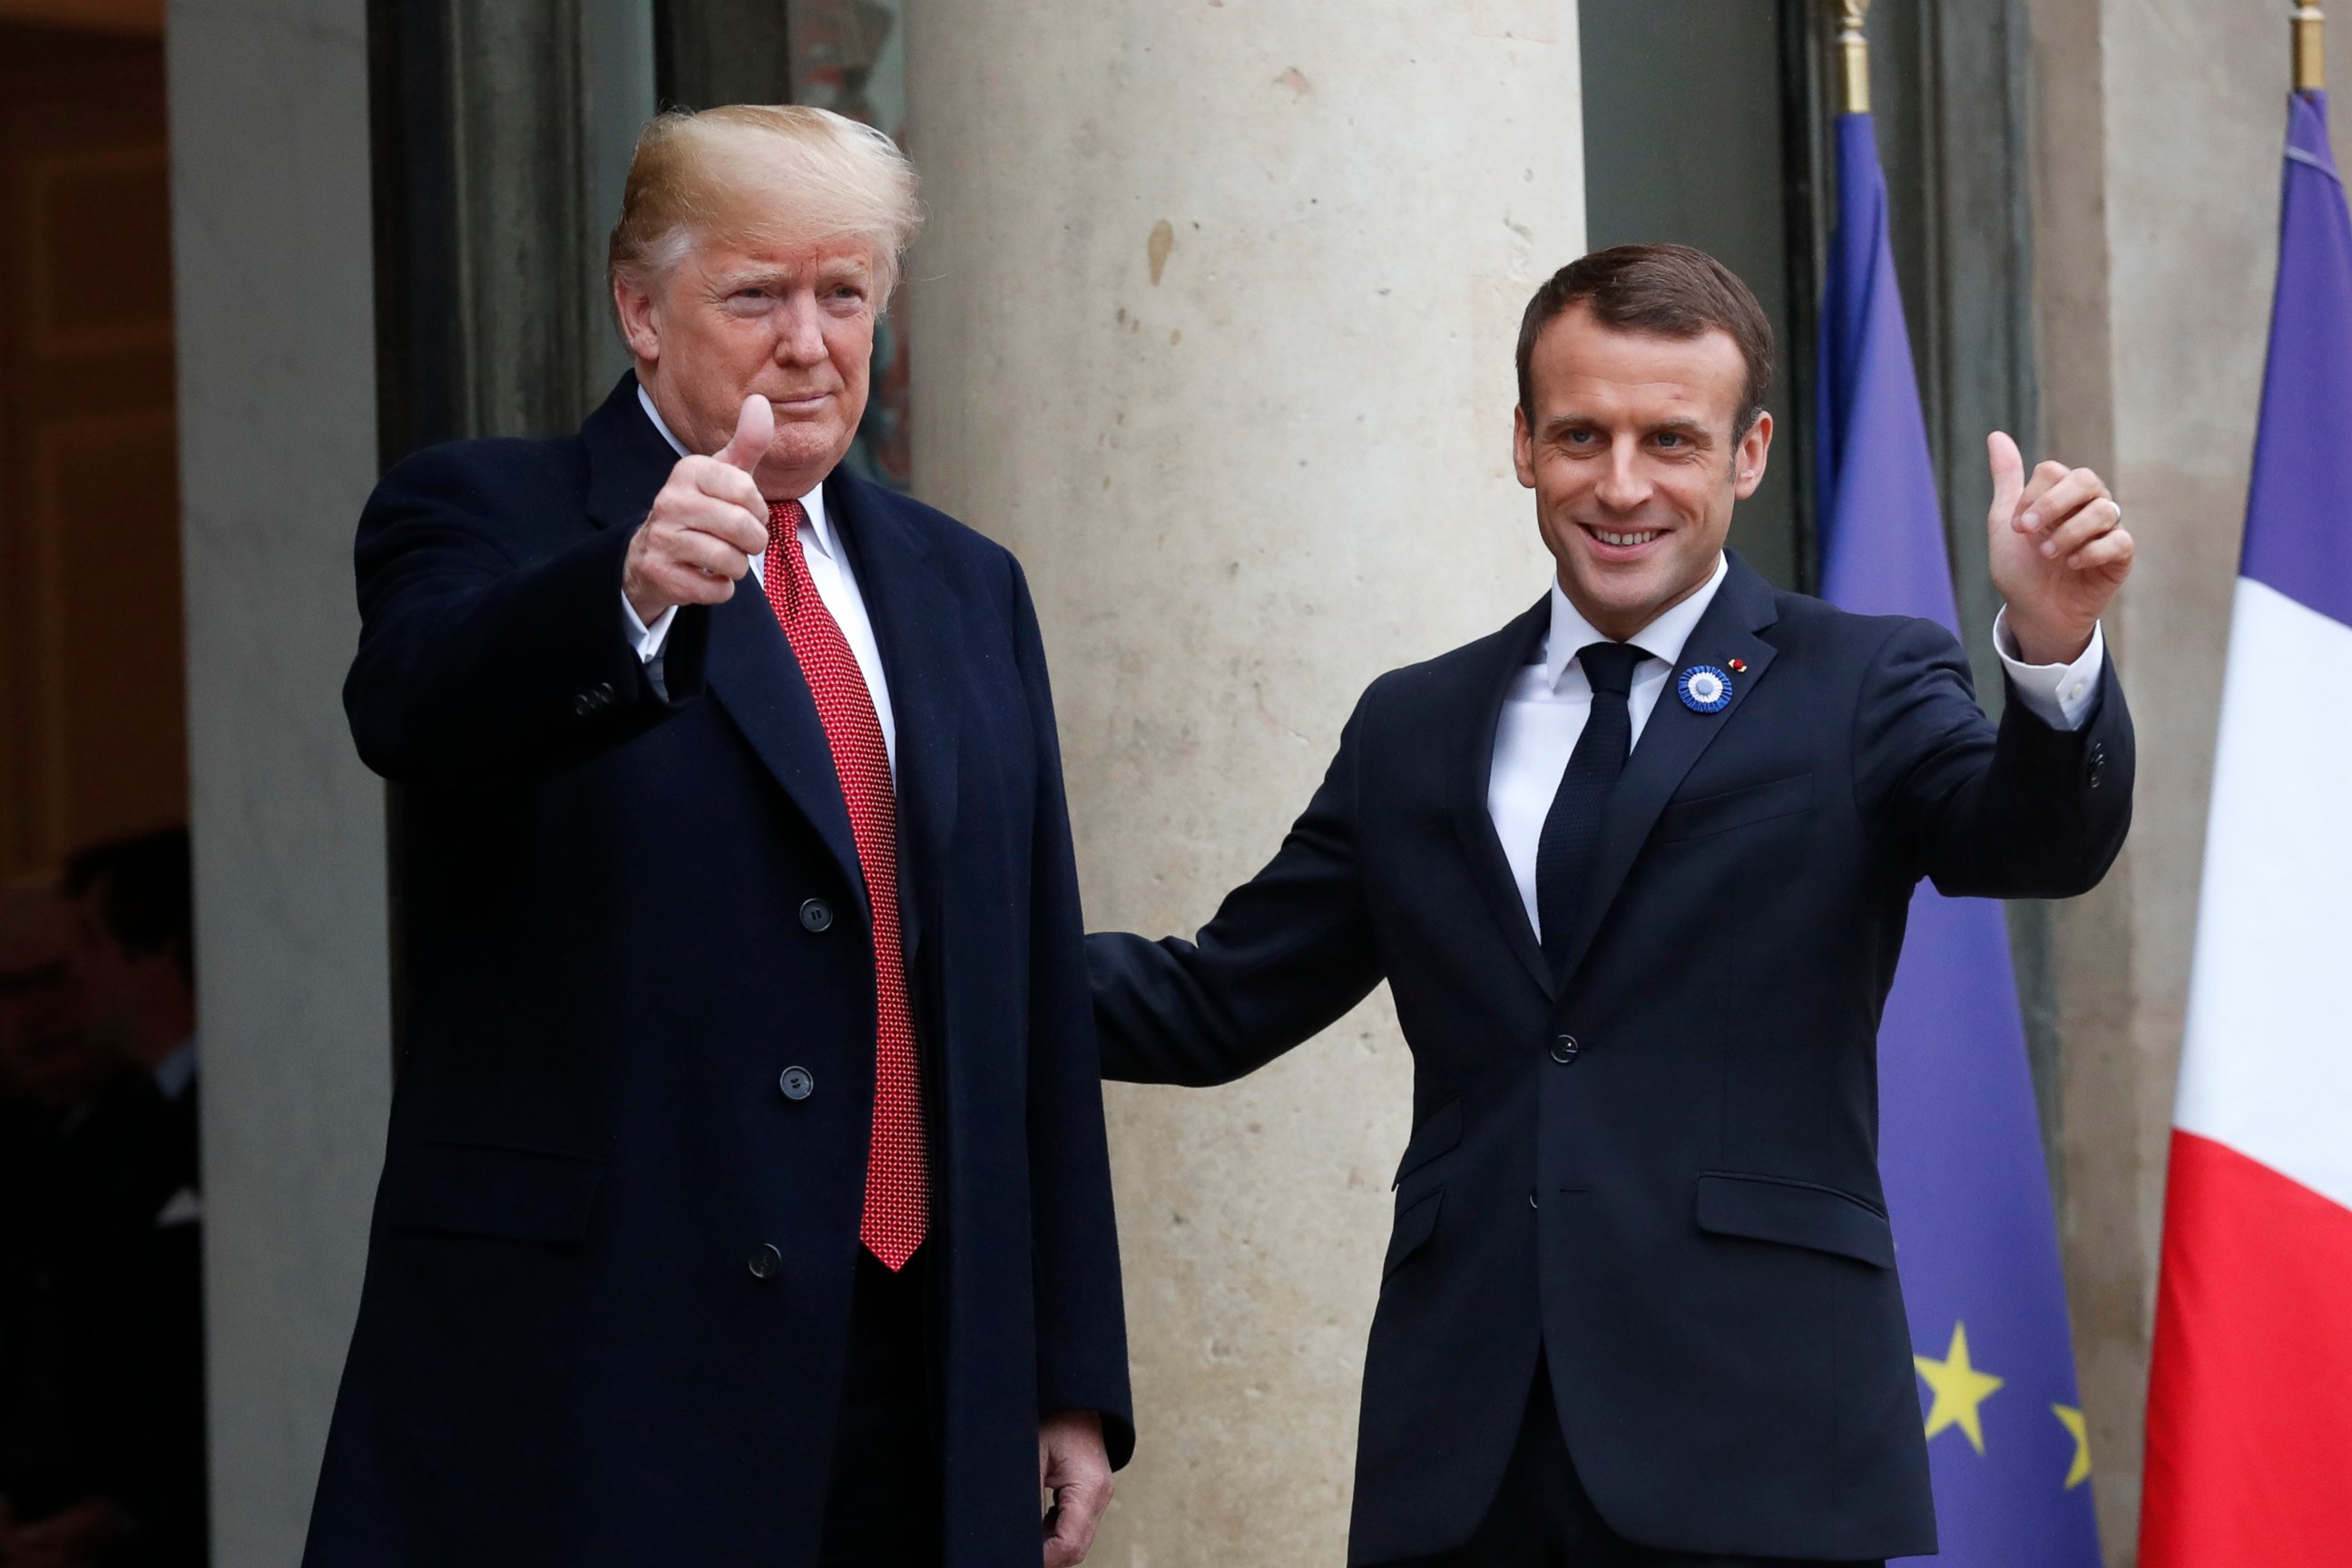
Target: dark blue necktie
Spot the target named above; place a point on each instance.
(1572, 831)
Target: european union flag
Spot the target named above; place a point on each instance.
(1959, 1142)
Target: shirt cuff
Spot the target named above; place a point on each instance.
(2060, 695)
(646, 640)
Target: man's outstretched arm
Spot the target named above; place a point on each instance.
(2039, 808)
(1288, 953)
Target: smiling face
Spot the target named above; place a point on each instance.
(793, 322)
(1628, 442)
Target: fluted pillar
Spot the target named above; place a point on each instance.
(1213, 325)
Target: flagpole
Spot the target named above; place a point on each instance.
(2310, 59)
(1853, 52)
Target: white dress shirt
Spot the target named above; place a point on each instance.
(1545, 710)
(836, 584)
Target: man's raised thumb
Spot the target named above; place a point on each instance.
(2008, 476)
(755, 427)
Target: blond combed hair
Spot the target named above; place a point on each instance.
(764, 173)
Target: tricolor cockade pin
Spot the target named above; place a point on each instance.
(1704, 689)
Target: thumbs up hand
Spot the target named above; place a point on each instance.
(2058, 549)
(706, 524)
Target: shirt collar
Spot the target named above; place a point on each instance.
(819, 528)
(1662, 639)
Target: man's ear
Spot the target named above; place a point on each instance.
(1523, 447)
(639, 327)
(1749, 458)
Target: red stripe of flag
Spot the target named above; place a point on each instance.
(2249, 1401)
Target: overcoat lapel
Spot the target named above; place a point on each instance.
(1671, 743)
(753, 674)
(1516, 646)
(750, 667)
(919, 628)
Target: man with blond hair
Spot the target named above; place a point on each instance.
(746, 1198)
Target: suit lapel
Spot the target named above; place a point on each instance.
(753, 673)
(1671, 742)
(1516, 646)
(628, 461)
(919, 625)
(750, 667)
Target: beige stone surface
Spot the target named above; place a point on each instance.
(1214, 320)
(272, 274)
(2156, 178)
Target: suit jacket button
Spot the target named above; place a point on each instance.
(1564, 1049)
(583, 705)
(798, 1083)
(816, 915)
(765, 1261)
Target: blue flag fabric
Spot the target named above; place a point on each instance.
(1959, 1138)
(2296, 539)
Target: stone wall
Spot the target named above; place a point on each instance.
(277, 431)
(1216, 317)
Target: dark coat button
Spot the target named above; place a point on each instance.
(604, 693)
(1564, 1049)
(798, 1083)
(816, 915)
(583, 705)
(765, 1261)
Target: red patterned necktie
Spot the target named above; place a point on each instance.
(898, 1175)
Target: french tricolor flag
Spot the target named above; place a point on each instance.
(2250, 1400)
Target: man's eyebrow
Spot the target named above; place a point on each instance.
(1692, 426)
(752, 277)
(785, 275)
(1697, 429)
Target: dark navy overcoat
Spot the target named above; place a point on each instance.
(626, 901)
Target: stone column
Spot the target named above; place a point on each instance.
(2156, 178)
(278, 449)
(1216, 317)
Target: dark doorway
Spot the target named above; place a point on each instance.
(101, 1338)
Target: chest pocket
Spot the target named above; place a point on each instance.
(1711, 814)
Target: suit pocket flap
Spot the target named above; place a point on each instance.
(1711, 814)
(1439, 1132)
(1414, 1229)
(1800, 1213)
(485, 1189)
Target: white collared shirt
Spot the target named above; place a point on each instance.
(1545, 709)
(836, 584)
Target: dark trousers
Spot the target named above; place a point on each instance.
(1542, 1518)
(882, 1503)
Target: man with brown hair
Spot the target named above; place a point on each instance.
(1636, 868)
(746, 1198)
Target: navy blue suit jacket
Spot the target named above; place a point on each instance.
(1661, 1169)
(627, 900)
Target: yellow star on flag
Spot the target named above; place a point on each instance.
(2072, 1419)
(1959, 1389)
